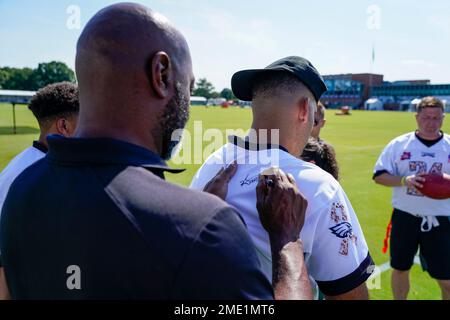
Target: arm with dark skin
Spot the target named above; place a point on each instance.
(4, 292)
(290, 277)
(281, 210)
(359, 293)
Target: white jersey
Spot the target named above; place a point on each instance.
(407, 155)
(22, 161)
(336, 253)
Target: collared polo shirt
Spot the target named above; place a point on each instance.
(95, 219)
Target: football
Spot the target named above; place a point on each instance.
(436, 186)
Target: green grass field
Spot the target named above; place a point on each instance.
(358, 140)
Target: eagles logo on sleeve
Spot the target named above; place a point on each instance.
(342, 230)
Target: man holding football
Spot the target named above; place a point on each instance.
(418, 221)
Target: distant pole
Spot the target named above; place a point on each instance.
(373, 23)
(14, 118)
(371, 69)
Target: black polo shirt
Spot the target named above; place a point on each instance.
(95, 219)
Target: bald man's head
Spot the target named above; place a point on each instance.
(134, 72)
(127, 34)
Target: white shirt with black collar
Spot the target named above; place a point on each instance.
(14, 168)
(337, 256)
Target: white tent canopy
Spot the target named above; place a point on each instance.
(373, 104)
(16, 97)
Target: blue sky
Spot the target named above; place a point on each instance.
(412, 38)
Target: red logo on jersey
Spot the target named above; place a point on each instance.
(405, 156)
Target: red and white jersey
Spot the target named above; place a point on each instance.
(337, 256)
(407, 155)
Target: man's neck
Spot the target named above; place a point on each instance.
(426, 136)
(277, 136)
(43, 139)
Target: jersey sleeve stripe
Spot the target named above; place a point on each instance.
(349, 282)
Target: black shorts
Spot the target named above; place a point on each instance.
(434, 245)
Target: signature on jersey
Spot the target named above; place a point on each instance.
(248, 181)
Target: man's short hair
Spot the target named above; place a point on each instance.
(276, 83)
(430, 102)
(321, 110)
(54, 101)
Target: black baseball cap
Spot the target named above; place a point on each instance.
(242, 81)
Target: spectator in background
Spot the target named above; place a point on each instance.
(56, 110)
(418, 222)
(321, 154)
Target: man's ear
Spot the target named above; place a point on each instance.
(161, 74)
(62, 127)
(303, 109)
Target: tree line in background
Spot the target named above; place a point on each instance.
(34, 79)
(204, 88)
(51, 72)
